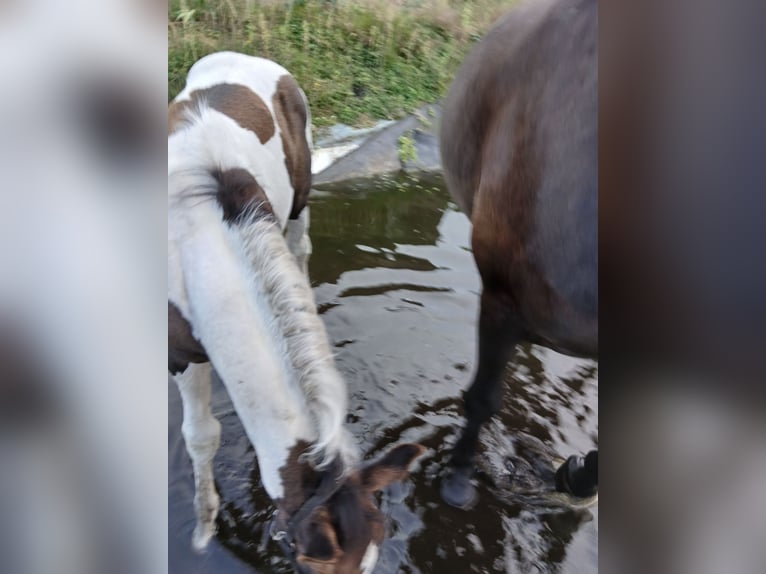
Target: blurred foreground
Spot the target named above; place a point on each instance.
(82, 347)
(682, 282)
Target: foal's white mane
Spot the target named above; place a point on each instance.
(292, 303)
(289, 312)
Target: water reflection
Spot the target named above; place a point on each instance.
(361, 225)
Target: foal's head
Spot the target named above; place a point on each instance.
(328, 522)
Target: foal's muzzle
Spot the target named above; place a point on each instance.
(281, 535)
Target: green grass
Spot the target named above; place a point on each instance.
(407, 150)
(358, 61)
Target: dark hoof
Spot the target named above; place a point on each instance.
(457, 489)
(578, 476)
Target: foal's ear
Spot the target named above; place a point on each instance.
(392, 466)
(317, 543)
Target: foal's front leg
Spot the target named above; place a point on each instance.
(202, 433)
(298, 241)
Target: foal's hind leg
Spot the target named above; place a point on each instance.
(498, 335)
(298, 241)
(202, 433)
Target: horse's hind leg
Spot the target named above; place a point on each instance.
(298, 241)
(202, 434)
(579, 475)
(498, 335)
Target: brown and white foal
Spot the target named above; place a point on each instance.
(239, 301)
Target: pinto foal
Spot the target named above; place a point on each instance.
(239, 301)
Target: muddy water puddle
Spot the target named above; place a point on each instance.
(397, 287)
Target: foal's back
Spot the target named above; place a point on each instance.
(519, 148)
(263, 102)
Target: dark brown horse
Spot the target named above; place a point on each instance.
(519, 148)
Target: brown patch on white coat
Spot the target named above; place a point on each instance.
(250, 112)
(337, 536)
(291, 113)
(238, 102)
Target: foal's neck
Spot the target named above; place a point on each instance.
(254, 312)
(302, 481)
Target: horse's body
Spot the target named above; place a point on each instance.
(519, 149)
(239, 171)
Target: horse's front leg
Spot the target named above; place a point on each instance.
(498, 336)
(202, 434)
(298, 241)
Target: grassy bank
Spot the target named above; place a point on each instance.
(358, 61)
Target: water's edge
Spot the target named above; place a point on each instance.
(409, 145)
